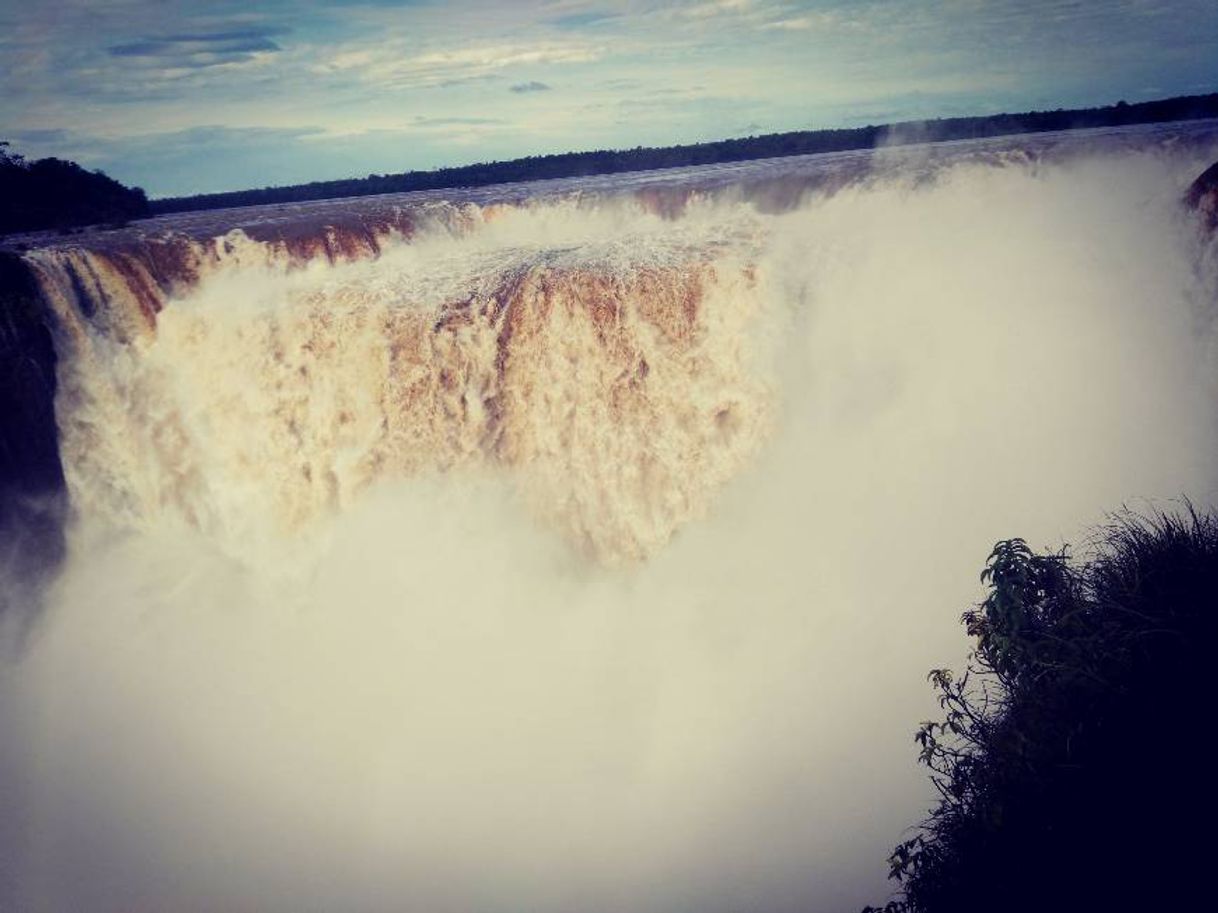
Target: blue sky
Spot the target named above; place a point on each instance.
(182, 97)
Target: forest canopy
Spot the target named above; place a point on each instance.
(54, 193)
(614, 161)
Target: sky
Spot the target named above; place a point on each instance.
(185, 96)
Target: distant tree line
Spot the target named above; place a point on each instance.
(1074, 761)
(583, 164)
(54, 193)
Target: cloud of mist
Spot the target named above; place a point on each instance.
(430, 702)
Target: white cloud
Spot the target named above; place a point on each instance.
(395, 65)
(371, 65)
(797, 23)
(710, 8)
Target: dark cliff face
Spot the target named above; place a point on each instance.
(1202, 197)
(32, 495)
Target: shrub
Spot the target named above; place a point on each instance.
(1072, 762)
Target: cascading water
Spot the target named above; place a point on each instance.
(608, 372)
(575, 547)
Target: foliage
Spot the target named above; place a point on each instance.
(54, 193)
(1072, 760)
(613, 161)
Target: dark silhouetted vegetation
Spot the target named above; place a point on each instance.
(55, 194)
(583, 164)
(1074, 760)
